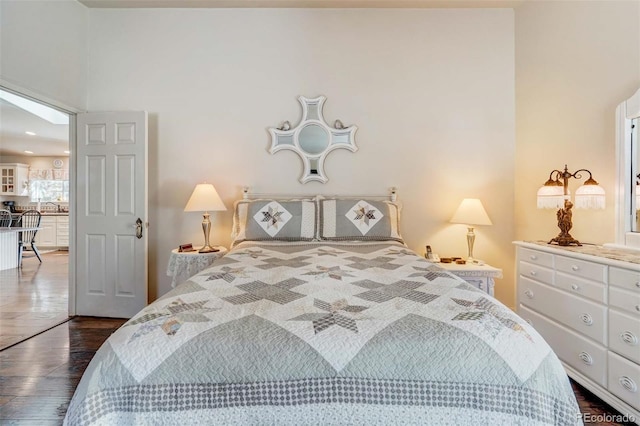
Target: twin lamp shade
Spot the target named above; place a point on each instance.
(555, 194)
(205, 198)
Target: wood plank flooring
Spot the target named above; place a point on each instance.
(38, 376)
(34, 297)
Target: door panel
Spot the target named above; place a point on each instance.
(112, 195)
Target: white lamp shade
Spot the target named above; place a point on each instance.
(551, 197)
(471, 212)
(590, 197)
(204, 198)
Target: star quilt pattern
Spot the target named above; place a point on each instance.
(292, 333)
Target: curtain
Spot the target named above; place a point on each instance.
(48, 174)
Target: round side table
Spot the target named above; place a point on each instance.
(185, 264)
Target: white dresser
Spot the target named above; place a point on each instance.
(585, 302)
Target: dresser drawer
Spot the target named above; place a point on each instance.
(584, 316)
(626, 300)
(624, 335)
(581, 268)
(582, 287)
(624, 379)
(624, 278)
(582, 354)
(536, 272)
(536, 257)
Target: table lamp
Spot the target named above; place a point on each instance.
(471, 212)
(555, 194)
(205, 198)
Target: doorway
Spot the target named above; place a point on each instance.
(35, 138)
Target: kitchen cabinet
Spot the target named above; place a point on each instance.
(14, 178)
(46, 235)
(54, 232)
(62, 231)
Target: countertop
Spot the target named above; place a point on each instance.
(46, 214)
(18, 229)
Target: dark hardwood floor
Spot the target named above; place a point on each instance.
(38, 376)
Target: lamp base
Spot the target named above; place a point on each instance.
(208, 249)
(206, 228)
(471, 238)
(564, 238)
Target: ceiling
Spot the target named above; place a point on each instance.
(50, 139)
(300, 3)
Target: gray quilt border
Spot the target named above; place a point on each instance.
(337, 390)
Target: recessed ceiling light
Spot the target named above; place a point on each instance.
(28, 152)
(30, 133)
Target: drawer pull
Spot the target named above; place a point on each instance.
(638, 284)
(629, 338)
(533, 273)
(586, 358)
(533, 257)
(575, 287)
(586, 318)
(574, 268)
(628, 383)
(529, 294)
(638, 308)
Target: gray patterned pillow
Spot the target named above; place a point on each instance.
(263, 220)
(354, 219)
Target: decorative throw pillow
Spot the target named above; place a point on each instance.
(262, 220)
(353, 219)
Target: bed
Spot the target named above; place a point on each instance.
(319, 314)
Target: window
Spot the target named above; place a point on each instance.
(49, 185)
(49, 190)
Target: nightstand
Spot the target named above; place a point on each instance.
(183, 265)
(481, 276)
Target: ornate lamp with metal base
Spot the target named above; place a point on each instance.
(555, 194)
(205, 198)
(564, 238)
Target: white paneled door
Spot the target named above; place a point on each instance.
(111, 265)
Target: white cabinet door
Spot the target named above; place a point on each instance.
(111, 267)
(46, 235)
(62, 231)
(13, 179)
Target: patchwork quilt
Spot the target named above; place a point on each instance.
(368, 333)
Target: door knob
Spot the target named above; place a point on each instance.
(139, 228)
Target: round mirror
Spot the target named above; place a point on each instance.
(313, 139)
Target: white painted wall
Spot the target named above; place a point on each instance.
(432, 92)
(43, 49)
(575, 62)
